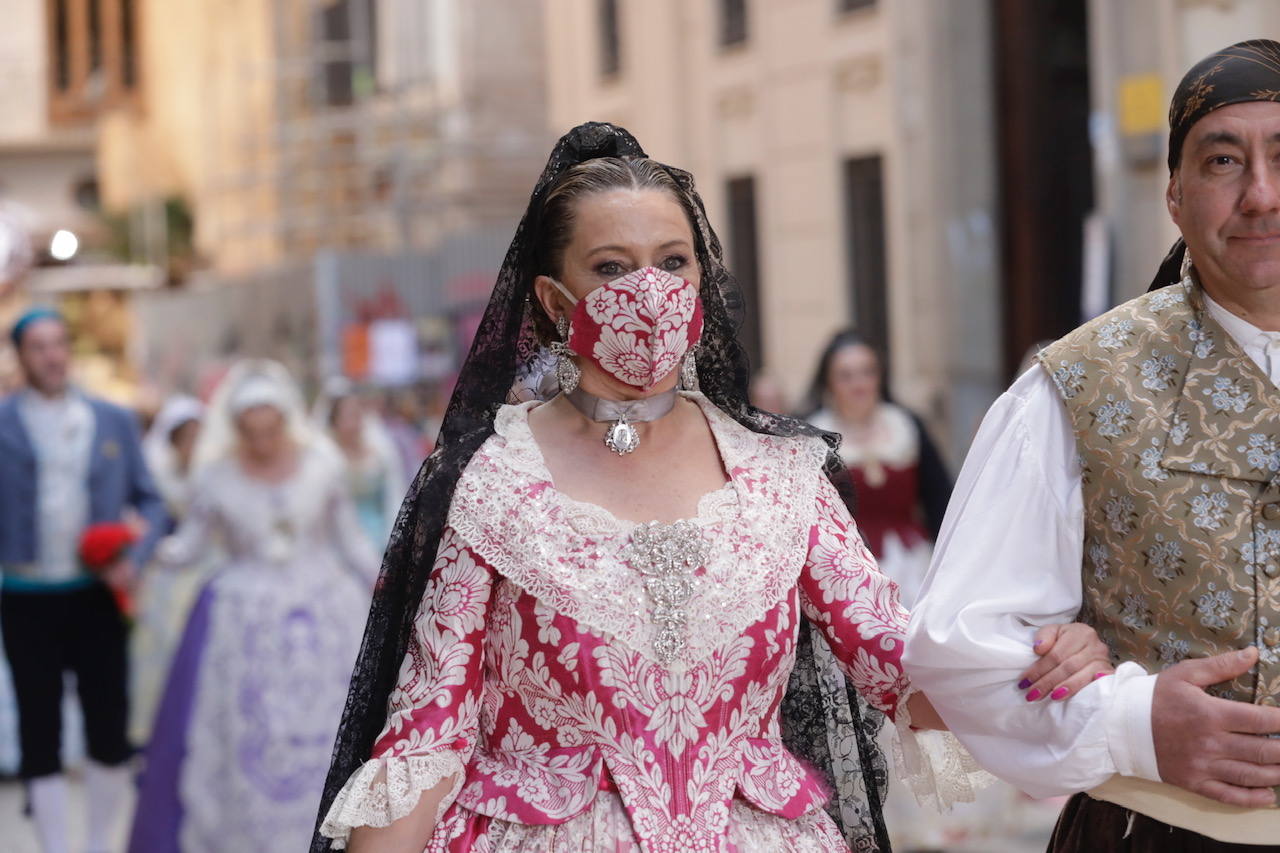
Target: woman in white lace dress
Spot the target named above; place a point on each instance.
(625, 578)
(255, 693)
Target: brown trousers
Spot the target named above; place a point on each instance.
(1092, 826)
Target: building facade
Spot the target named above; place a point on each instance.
(958, 180)
(843, 150)
(291, 126)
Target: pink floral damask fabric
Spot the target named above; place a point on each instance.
(543, 682)
(638, 327)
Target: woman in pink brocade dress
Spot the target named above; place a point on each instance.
(621, 573)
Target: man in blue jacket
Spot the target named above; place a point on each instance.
(67, 461)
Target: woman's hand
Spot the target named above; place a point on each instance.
(1071, 656)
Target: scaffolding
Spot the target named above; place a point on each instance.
(371, 128)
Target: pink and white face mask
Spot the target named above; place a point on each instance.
(637, 327)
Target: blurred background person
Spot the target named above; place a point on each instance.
(902, 488)
(245, 727)
(164, 597)
(766, 393)
(67, 461)
(375, 469)
(901, 481)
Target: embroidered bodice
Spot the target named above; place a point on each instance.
(273, 523)
(561, 651)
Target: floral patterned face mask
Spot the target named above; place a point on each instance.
(637, 327)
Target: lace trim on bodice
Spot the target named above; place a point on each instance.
(574, 555)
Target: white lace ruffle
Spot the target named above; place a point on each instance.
(384, 790)
(934, 764)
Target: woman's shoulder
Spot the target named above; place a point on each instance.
(741, 445)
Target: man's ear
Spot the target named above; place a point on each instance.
(1173, 197)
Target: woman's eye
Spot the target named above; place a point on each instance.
(610, 268)
(674, 262)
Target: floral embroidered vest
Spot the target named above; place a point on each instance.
(1178, 433)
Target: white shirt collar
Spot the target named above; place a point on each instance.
(1245, 333)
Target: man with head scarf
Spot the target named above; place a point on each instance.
(67, 462)
(1132, 479)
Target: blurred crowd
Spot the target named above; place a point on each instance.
(239, 549)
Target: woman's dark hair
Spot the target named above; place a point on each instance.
(554, 224)
(822, 375)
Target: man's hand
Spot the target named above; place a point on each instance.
(120, 575)
(1212, 746)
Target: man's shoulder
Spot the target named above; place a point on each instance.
(1126, 329)
(108, 408)
(112, 414)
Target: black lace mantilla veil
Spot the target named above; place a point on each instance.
(823, 722)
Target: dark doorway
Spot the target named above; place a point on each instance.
(744, 262)
(1045, 166)
(865, 240)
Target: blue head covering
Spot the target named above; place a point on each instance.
(33, 315)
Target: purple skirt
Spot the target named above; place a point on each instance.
(157, 821)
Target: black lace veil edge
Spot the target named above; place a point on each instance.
(504, 343)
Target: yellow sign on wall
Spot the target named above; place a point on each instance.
(1142, 105)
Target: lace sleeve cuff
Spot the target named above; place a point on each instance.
(935, 765)
(384, 790)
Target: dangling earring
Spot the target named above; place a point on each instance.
(567, 373)
(689, 370)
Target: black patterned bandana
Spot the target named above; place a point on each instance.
(1248, 71)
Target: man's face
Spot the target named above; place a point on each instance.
(45, 355)
(1225, 198)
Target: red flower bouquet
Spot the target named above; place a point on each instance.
(102, 545)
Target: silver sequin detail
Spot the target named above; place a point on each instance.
(667, 554)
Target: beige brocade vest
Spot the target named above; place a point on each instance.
(1179, 438)
(1178, 433)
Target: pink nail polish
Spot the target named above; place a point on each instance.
(1101, 675)
(1033, 695)
(1059, 693)
(1024, 684)
(1037, 644)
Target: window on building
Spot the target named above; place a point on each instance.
(610, 38)
(348, 37)
(93, 56)
(843, 6)
(744, 262)
(95, 35)
(128, 44)
(61, 45)
(733, 22)
(868, 279)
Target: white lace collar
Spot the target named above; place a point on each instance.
(571, 554)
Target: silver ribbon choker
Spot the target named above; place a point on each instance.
(621, 437)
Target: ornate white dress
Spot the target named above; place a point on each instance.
(246, 727)
(596, 684)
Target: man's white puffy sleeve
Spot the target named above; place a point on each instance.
(1007, 562)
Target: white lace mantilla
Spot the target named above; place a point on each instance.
(573, 555)
(386, 789)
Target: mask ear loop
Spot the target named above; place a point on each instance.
(564, 290)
